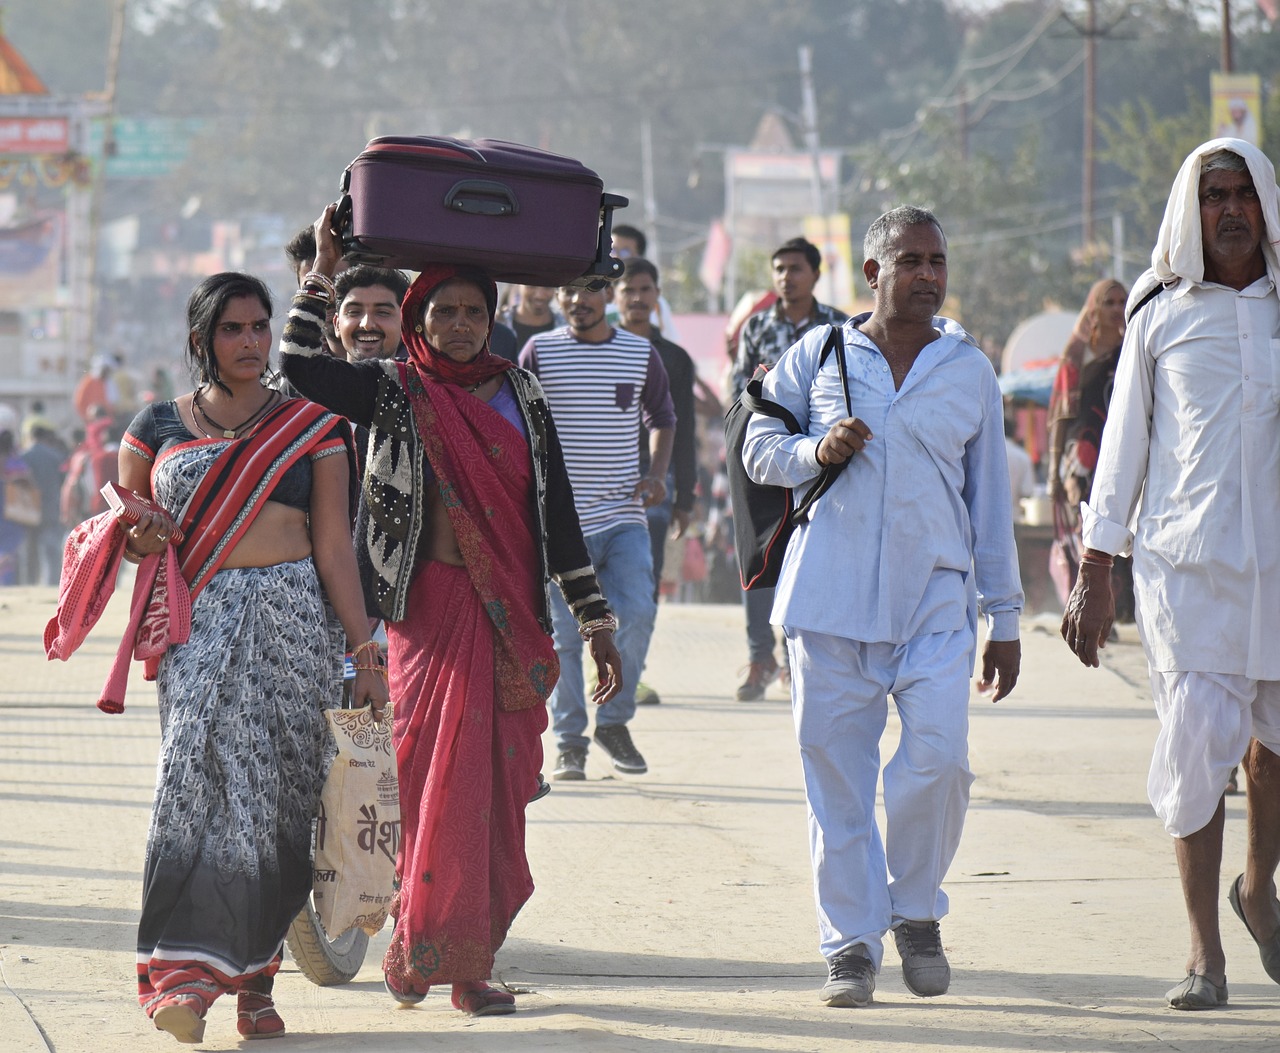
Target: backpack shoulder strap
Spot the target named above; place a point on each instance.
(835, 342)
(1146, 300)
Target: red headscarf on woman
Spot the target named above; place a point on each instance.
(430, 361)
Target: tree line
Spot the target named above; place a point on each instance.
(977, 113)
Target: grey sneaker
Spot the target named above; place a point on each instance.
(615, 740)
(925, 969)
(851, 978)
(571, 765)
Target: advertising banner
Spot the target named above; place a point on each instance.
(1236, 108)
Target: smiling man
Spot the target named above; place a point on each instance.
(367, 318)
(1187, 479)
(879, 596)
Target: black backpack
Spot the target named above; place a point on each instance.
(765, 516)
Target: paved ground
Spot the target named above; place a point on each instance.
(673, 911)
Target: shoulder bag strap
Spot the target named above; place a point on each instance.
(835, 342)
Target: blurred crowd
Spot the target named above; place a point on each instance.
(53, 474)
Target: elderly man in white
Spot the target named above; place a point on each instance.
(1192, 447)
(879, 595)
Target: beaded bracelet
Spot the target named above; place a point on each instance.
(588, 629)
(371, 669)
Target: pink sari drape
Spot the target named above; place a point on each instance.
(470, 670)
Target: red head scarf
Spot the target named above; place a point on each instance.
(430, 361)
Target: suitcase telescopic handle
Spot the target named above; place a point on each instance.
(482, 197)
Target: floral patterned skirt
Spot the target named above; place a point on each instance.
(243, 756)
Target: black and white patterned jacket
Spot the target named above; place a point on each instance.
(393, 508)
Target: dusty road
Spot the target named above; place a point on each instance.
(673, 911)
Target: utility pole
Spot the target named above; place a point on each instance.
(1090, 88)
(1226, 36)
(650, 201)
(1091, 33)
(87, 311)
(809, 112)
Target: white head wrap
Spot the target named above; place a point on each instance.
(1179, 251)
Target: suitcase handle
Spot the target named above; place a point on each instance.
(482, 197)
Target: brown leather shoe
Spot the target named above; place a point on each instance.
(759, 676)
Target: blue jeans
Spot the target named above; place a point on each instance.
(624, 567)
(659, 517)
(760, 638)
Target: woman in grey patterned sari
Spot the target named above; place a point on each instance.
(263, 506)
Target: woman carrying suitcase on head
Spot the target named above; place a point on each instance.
(467, 511)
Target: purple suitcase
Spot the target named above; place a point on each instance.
(519, 214)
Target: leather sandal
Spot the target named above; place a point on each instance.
(256, 1016)
(1197, 991)
(182, 1015)
(477, 998)
(1268, 950)
(405, 996)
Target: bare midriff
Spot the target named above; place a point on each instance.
(277, 535)
(440, 542)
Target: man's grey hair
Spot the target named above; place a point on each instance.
(1223, 161)
(881, 233)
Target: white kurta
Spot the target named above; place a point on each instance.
(1192, 446)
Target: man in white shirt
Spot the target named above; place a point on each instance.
(879, 595)
(1192, 446)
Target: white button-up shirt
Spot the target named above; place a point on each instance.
(1192, 446)
(893, 550)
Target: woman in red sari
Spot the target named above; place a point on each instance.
(467, 511)
(1087, 364)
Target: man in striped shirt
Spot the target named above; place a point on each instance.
(602, 383)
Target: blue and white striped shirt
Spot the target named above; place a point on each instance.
(599, 394)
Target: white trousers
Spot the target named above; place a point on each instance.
(1206, 721)
(840, 693)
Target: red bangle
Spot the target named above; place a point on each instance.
(1097, 559)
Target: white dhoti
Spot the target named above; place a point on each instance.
(1206, 721)
(840, 691)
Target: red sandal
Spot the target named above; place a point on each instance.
(477, 998)
(256, 1016)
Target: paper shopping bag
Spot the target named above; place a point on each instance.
(358, 825)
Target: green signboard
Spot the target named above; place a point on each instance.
(146, 147)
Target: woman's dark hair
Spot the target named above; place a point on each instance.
(204, 308)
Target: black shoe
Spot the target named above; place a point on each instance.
(615, 740)
(543, 789)
(571, 765)
(851, 979)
